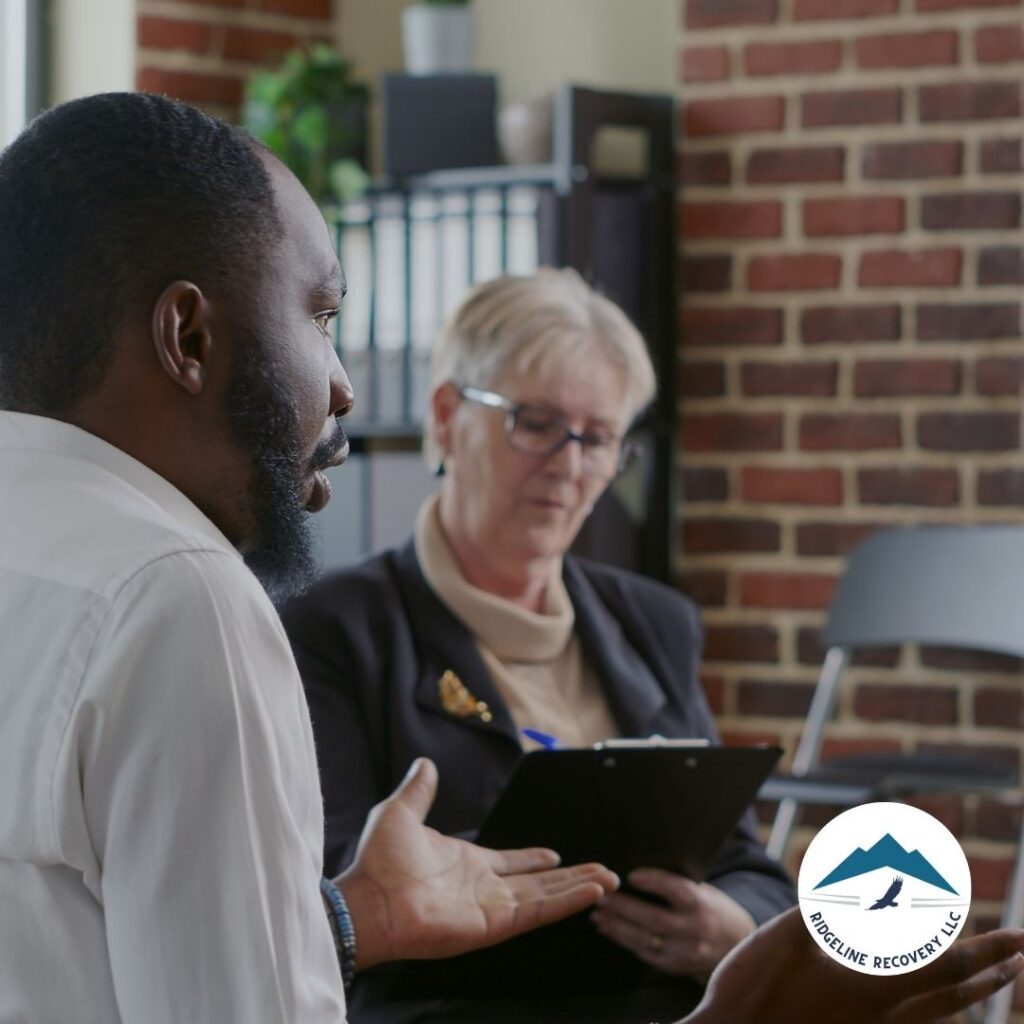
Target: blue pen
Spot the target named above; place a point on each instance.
(546, 741)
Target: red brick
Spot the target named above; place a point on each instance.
(851, 107)
(735, 115)
(1002, 487)
(299, 8)
(705, 273)
(743, 326)
(712, 13)
(214, 3)
(935, 488)
(708, 587)
(831, 539)
(910, 160)
(721, 536)
(801, 272)
(878, 378)
(925, 704)
(855, 432)
(786, 590)
(714, 691)
(969, 431)
(999, 44)
(989, 877)
(778, 486)
(815, 57)
(705, 483)
(789, 378)
(969, 101)
(1001, 265)
(253, 44)
(173, 34)
(867, 215)
(705, 63)
(996, 820)
(821, 10)
(924, 268)
(192, 86)
(729, 219)
(965, 210)
(824, 324)
(809, 651)
(796, 164)
(908, 49)
(732, 432)
(999, 707)
(1002, 156)
(701, 380)
(958, 5)
(741, 643)
(774, 699)
(957, 659)
(999, 375)
(842, 747)
(714, 168)
(945, 322)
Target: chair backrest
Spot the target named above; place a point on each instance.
(946, 586)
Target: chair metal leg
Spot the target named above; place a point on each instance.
(809, 747)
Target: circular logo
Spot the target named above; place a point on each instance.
(884, 888)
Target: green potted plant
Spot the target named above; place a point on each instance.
(437, 37)
(312, 114)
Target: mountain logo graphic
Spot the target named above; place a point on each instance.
(886, 853)
(884, 888)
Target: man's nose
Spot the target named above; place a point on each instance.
(342, 397)
(567, 458)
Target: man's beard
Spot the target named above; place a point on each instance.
(280, 549)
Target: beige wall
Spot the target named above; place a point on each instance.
(93, 47)
(533, 45)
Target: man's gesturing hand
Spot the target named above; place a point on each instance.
(415, 894)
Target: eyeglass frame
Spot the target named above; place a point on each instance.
(629, 448)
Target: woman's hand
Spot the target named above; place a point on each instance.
(689, 937)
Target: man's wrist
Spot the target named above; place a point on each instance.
(342, 930)
(369, 912)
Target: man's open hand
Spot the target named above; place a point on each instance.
(416, 894)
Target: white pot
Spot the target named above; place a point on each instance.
(437, 40)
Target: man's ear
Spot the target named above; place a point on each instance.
(444, 401)
(182, 335)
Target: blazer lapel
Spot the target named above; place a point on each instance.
(635, 696)
(455, 682)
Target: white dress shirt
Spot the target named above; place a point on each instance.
(161, 825)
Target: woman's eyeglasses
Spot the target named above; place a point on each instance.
(539, 431)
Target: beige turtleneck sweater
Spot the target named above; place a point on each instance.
(534, 658)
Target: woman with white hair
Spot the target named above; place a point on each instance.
(482, 626)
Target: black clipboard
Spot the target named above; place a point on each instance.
(627, 804)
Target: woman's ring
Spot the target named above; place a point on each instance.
(656, 944)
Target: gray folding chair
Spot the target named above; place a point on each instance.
(960, 587)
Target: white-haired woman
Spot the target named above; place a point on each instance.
(482, 626)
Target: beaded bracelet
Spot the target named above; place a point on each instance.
(343, 933)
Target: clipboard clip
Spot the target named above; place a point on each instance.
(661, 742)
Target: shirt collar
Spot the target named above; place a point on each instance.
(25, 432)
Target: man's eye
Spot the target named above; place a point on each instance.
(535, 423)
(323, 321)
(598, 441)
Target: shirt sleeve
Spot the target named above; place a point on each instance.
(201, 798)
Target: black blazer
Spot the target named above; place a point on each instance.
(373, 641)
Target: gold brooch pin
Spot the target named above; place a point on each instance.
(457, 700)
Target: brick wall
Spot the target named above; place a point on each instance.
(202, 50)
(851, 269)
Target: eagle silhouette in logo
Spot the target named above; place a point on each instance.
(889, 899)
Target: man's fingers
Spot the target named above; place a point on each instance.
(417, 790)
(548, 907)
(536, 885)
(517, 862)
(937, 1005)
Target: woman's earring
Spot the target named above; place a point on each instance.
(439, 468)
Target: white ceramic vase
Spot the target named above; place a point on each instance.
(437, 40)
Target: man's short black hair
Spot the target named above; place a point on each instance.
(103, 202)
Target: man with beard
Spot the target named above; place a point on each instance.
(168, 401)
